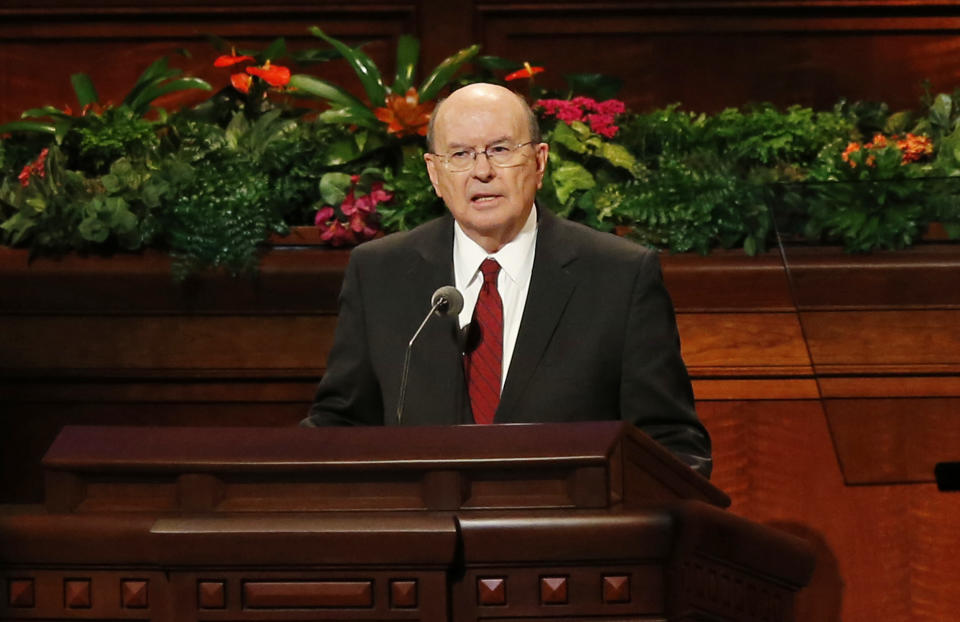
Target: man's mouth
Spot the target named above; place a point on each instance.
(481, 198)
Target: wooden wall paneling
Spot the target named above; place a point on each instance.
(730, 281)
(708, 55)
(884, 551)
(289, 281)
(864, 342)
(713, 55)
(744, 344)
(145, 345)
(925, 276)
(891, 441)
(114, 44)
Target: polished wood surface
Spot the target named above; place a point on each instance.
(638, 535)
(884, 550)
(851, 472)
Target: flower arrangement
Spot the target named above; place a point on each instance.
(210, 182)
(355, 218)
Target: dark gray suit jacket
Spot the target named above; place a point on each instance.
(598, 339)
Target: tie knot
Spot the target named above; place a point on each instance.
(490, 269)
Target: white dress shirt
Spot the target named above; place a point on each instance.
(516, 265)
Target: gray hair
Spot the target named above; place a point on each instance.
(532, 124)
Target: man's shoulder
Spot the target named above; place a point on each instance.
(423, 238)
(585, 241)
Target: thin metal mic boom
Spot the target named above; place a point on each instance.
(445, 301)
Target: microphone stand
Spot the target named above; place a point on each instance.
(445, 301)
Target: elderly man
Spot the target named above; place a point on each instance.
(560, 322)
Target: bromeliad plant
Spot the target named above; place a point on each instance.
(402, 107)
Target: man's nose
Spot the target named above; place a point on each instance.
(481, 166)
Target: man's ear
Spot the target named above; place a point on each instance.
(543, 154)
(431, 163)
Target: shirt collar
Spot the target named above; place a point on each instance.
(515, 257)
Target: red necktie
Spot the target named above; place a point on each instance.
(483, 363)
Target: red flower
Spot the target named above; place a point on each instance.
(404, 114)
(526, 72)
(228, 60)
(37, 167)
(241, 82)
(274, 75)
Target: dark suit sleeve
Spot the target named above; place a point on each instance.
(655, 390)
(349, 393)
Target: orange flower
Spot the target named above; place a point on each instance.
(274, 75)
(915, 147)
(404, 114)
(851, 148)
(526, 72)
(241, 82)
(228, 60)
(879, 141)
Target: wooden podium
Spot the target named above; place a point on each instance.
(587, 521)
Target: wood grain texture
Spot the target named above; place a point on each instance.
(168, 345)
(751, 343)
(884, 551)
(729, 54)
(858, 342)
(889, 441)
(926, 276)
(113, 45)
(706, 54)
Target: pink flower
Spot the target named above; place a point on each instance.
(359, 225)
(338, 235)
(364, 204)
(611, 107)
(348, 207)
(584, 102)
(601, 115)
(324, 214)
(602, 124)
(378, 194)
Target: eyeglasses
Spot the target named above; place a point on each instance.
(501, 156)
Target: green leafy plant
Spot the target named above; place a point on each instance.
(211, 182)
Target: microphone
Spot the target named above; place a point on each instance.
(446, 301)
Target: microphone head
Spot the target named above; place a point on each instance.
(450, 299)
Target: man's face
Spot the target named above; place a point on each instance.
(490, 203)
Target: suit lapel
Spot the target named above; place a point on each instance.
(436, 355)
(550, 289)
